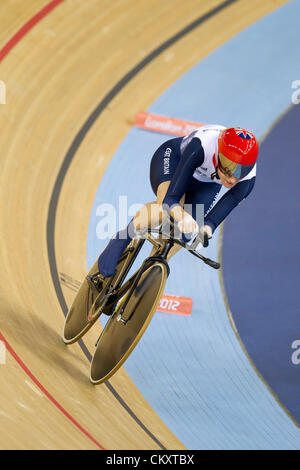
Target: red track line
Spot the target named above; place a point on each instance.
(3, 53)
(27, 27)
(48, 395)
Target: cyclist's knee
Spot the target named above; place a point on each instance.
(150, 214)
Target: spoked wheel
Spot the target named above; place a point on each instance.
(86, 308)
(119, 338)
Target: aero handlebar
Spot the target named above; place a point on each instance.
(169, 237)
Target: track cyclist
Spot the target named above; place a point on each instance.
(185, 172)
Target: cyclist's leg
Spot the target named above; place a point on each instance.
(160, 214)
(152, 214)
(163, 165)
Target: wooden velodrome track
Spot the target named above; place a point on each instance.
(56, 75)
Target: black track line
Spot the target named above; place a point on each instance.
(51, 220)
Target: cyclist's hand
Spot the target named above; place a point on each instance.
(187, 224)
(206, 232)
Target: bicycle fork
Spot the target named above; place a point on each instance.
(160, 256)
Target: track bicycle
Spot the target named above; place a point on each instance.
(130, 304)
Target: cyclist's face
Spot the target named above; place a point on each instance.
(227, 181)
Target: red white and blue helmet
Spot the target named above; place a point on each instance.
(238, 151)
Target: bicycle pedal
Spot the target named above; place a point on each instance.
(96, 281)
(108, 311)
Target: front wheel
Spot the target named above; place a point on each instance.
(117, 339)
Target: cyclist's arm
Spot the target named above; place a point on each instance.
(192, 157)
(228, 202)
